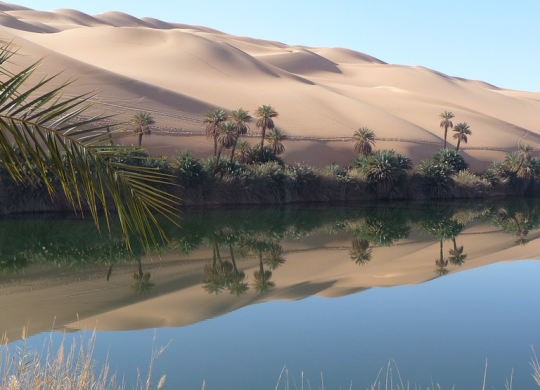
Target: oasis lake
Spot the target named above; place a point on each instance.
(331, 293)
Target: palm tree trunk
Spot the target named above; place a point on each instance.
(217, 161)
(441, 254)
(445, 135)
(140, 138)
(234, 147)
(458, 142)
(261, 267)
(233, 260)
(520, 164)
(111, 143)
(262, 143)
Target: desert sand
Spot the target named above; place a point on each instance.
(177, 72)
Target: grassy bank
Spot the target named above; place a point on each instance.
(382, 174)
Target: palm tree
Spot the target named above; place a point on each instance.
(274, 256)
(364, 140)
(524, 156)
(360, 252)
(213, 119)
(262, 278)
(456, 255)
(53, 141)
(141, 122)
(441, 263)
(238, 285)
(141, 280)
(265, 121)
(275, 139)
(462, 130)
(240, 118)
(226, 138)
(446, 123)
(244, 152)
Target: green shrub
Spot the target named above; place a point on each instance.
(188, 170)
(385, 172)
(435, 179)
(451, 159)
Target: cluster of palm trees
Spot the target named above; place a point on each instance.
(364, 137)
(223, 274)
(225, 130)
(461, 130)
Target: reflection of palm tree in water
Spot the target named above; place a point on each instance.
(441, 263)
(360, 252)
(219, 274)
(520, 220)
(262, 277)
(456, 255)
(142, 284)
(238, 284)
(273, 256)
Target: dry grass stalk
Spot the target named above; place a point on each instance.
(71, 368)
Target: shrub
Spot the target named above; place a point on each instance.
(385, 172)
(301, 181)
(188, 170)
(435, 179)
(469, 185)
(451, 159)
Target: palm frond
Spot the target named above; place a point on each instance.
(43, 135)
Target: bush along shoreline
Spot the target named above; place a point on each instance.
(252, 177)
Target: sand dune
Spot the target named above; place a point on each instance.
(177, 72)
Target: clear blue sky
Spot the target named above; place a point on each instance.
(494, 41)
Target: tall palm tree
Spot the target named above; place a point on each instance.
(274, 256)
(141, 122)
(240, 118)
(360, 252)
(238, 285)
(275, 139)
(54, 141)
(265, 115)
(243, 152)
(262, 278)
(441, 263)
(446, 123)
(226, 138)
(213, 119)
(461, 130)
(141, 280)
(364, 140)
(456, 255)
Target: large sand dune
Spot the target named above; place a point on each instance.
(177, 72)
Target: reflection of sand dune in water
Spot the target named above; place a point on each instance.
(320, 93)
(317, 265)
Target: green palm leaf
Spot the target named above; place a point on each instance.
(43, 135)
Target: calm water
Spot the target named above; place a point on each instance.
(241, 293)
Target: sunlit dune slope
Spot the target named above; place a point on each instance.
(177, 72)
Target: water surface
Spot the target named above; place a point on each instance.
(240, 293)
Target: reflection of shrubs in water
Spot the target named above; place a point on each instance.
(239, 233)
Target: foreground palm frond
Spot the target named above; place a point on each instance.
(43, 136)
